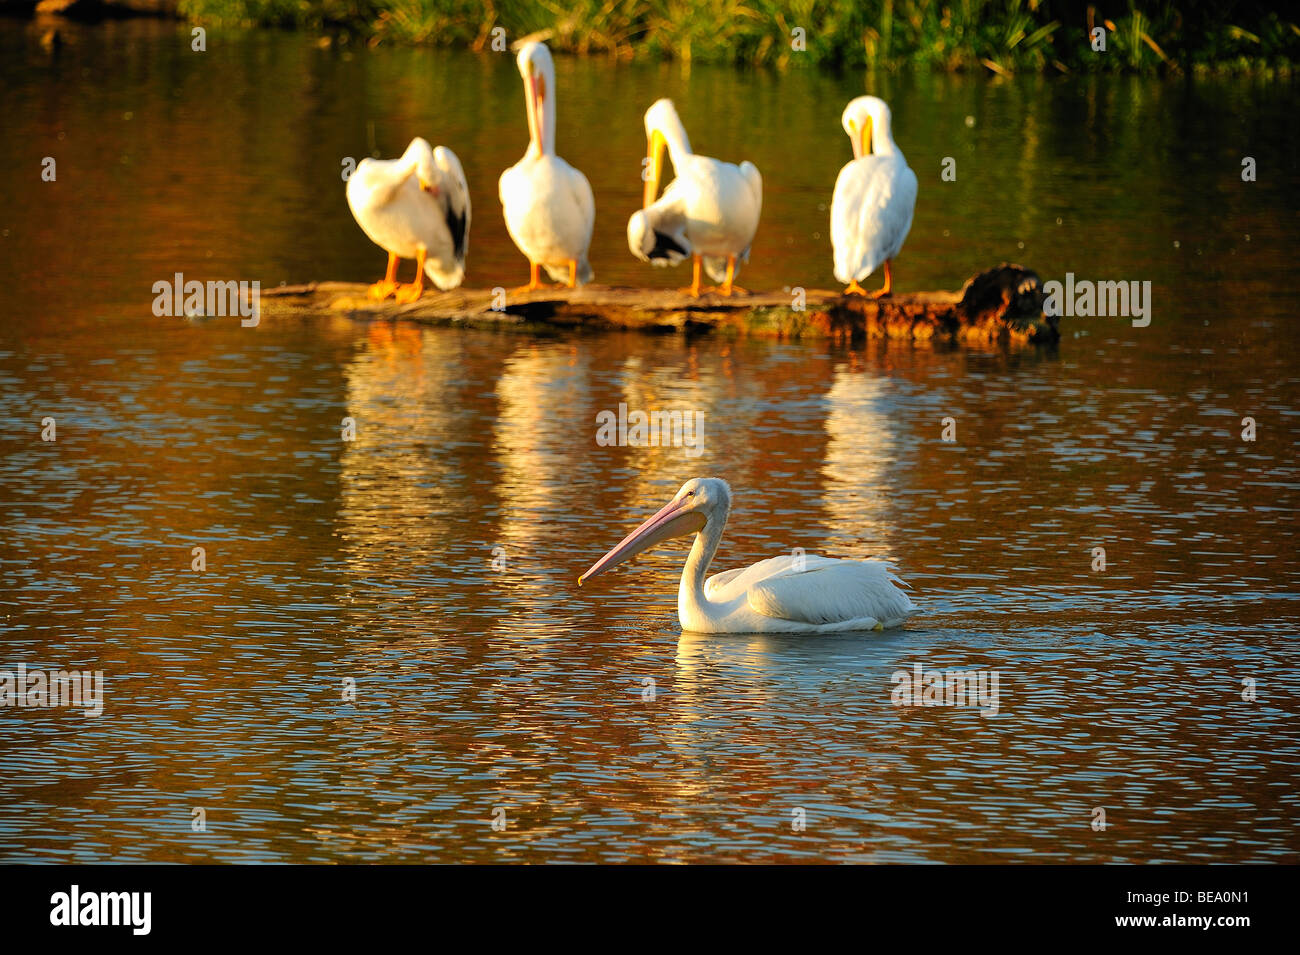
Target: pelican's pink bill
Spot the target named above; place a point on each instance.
(671, 521)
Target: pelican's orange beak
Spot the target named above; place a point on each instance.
(540, 86)
(654, 168)
(861, 140)
(536, 111)
(671, 521)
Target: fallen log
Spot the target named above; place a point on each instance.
(1004, 304)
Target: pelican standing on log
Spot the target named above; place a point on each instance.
(791, 594)
(709, 211)
(416, 207)
(548, 205)
(875, 196)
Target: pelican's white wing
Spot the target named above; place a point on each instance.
(731, 584)
(754, 179)
(817, 590)
(550, 212)
(399, 217)
(723, 203)
(585, 201)
(871, 214)
(711, 209)
(454, 193)
(657, 233)
(746, 207)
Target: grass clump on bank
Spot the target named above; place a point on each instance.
(1004, 36)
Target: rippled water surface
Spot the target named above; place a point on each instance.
(433, 561)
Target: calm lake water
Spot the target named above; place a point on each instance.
(504, 691)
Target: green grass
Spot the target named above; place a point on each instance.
(1003, 36)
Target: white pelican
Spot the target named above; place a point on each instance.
(416, 207)
(791, 594)
(710, 210)
(875, 196)
(548, 205)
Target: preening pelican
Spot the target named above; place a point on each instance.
(710, 210)
(875, 196)
(790, 594)
(416, 207)
(548, 204)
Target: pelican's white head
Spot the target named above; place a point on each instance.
(699, 501)
(867, 122)
(538, 70)
(420, 154)
(661, 115)
(640, 235)
(663, 128)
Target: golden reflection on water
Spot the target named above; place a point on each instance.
(542, 391)
(861, 455)
(400, 387)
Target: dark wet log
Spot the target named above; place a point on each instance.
(1004, 304)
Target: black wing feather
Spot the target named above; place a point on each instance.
(664, 245)
(456, 225)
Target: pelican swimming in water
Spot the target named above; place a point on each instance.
(416, 207)
(875, 196)
(790, 594)
(709, 211)
(548, 205)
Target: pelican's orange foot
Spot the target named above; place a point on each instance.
(534, 280)
(388, 284)
(889, 281)
(694, 289)
(729, 284)
(381, 290)
(406, 294)
(855, 289)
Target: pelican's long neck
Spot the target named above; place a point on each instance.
(548, 114)
(389, 177)
(691, 592)
(541, 91)
(410, 163)
(674, 133)
(882, 137)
